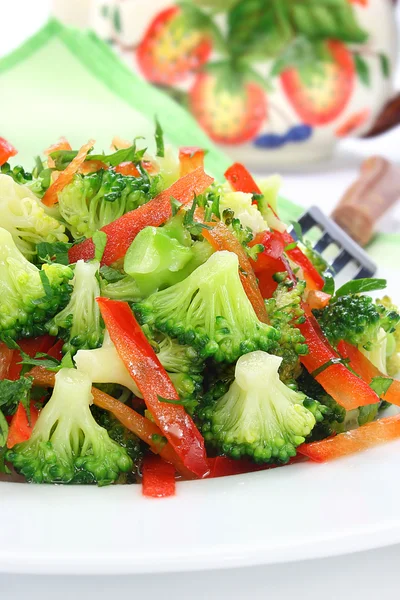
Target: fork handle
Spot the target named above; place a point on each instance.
(376, 190)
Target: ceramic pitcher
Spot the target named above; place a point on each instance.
(272, 81)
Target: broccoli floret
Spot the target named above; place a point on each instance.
(156, 260)
(393, 340)
(92, 201)
(29, 296)
(25, 217)
(184, 367)
(103, 365)
(175, 357)
(356, 319)
(79, 323)
(67, 445)
(125, 438)
(259, 416)
(243, 209)
(209, 311)
(284, 309)
(125, 289)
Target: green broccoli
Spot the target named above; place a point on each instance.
(26, 218)
(67, 445)
(357, 320)
(156, 260)
(284, 310)
(79, 323)
(210, 311)
(125, 438)
(243, 209)
(259, 416)
(184, 367)
(92, 201)
(393, 341)
(124, 288)
(28, 296)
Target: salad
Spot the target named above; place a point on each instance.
(157, 324)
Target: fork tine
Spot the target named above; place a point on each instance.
(323, 242)
(364, 272)
(341, 260)
(306, 223)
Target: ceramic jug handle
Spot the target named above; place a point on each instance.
(389, 118)
(376, 190)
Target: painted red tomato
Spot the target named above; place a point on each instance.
(169, 52)
(324, 94)
(228, 116)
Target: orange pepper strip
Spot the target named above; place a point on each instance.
(367, 436)
(128, 168)
(367, 371)
(51, 196)
(190, 158)
(62, 144)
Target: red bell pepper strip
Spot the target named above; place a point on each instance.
(145, 429)
(346, 388)
(6, 358)
(241, 180)
(270, 261)
(122, 232)
(7, 150)
(223, 466)
(56, 350)
(65, 177)
(20, 430)
(221, 238)
(30, 346)
(128, 168)
(153, 382)
(158, 478)
(190, 159)
(367, 436)
(367, 371)
(314, 280)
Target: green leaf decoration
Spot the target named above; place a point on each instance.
(385, 64)
(362, 69)
(326, 19)
(3, 430)
(197, 19)
(259, 29)
(100, 242)
(380, 385)
(117, 20)
(359, 286)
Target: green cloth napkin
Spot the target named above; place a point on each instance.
(67, 82)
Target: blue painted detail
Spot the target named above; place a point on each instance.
(296, 134)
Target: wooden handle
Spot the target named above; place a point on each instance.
(375, 191)
(388, 119)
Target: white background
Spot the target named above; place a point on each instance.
(363, 576)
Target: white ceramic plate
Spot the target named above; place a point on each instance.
(296, 512)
